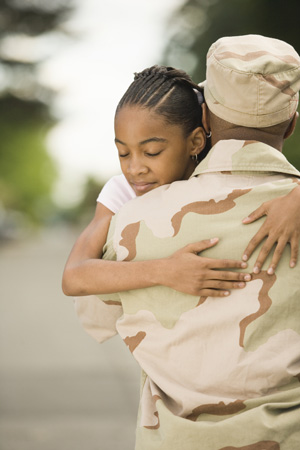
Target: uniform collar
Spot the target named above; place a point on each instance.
(245, 156)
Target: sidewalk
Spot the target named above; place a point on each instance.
(59, 390)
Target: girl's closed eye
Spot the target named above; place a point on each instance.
(154, 154)
(123, 155)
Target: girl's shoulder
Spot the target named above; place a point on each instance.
(115, 193)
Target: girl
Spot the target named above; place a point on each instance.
(170, 153)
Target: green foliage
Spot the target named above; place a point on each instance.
(27, 172)
(83, 212)
(291, 148)
(32, 17)
(199, 23)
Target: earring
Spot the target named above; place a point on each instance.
(194, 158)
(208, 135)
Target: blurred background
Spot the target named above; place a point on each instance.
(64, 65)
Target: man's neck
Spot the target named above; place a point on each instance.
(248, 134)
(223, 130)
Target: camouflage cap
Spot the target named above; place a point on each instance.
(252, 80)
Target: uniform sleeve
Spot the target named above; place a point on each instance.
(98, 317)
(98, 314)
(115, 193)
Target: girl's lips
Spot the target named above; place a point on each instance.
(142, 187)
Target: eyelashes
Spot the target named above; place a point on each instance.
(154, 154)
(151, 155)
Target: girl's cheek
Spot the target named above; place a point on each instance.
(123, 165)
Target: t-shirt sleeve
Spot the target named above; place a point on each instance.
(115, 193)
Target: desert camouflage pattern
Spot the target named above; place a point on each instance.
(217, 374)
(252, 80)
(98, 317)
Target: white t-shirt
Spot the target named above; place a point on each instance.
(115, 193)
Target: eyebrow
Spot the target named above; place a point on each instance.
(146, 141)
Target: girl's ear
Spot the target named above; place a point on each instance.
(198, 141)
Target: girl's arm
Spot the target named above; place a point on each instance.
(85, 273)
(281, 227)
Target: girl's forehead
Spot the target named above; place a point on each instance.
(136, 115)
(142, 121)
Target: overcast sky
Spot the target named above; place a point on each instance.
(115, 39)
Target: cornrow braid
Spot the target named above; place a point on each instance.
(168, 92)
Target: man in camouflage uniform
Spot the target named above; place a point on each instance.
(219, 374)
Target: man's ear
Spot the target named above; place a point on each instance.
(291, 127)
(198, 141)
(205, 118)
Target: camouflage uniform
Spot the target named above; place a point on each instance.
(252, 80)
(217, 374)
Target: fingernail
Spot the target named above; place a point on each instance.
(270, 271)
(256, 269)
(226, 293)
(241, 285)
(244, 265)
(247, 277)
(245, 258)
(213, 240)
(246, 219)
(292, 264)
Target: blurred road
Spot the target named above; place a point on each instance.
(59, 390)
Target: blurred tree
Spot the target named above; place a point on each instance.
(27, 172)
(83, 212)
(198, 23)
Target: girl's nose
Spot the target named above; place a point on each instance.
(136, 167)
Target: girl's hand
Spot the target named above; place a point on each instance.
(281, 227)
(187, 272)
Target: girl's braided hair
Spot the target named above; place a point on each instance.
(168, 92)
